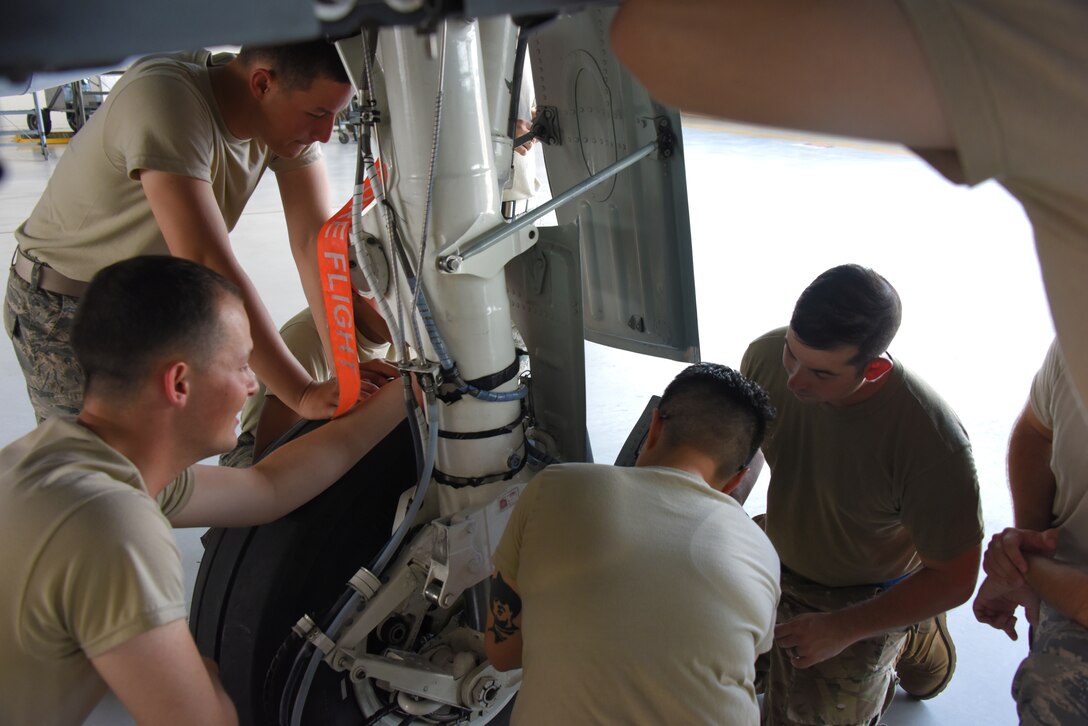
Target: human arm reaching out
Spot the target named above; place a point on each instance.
(276, 418)
(294, 473)
(938, 586)
(190, 220)
(851, 67)
(162, 680)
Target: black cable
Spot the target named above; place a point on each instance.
(515, 84)
(380, 714)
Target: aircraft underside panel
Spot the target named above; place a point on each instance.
(638, 282)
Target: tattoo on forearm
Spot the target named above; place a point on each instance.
(505, 607)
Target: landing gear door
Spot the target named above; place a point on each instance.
(638, 287)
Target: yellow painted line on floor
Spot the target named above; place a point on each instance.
(707, 123)
(50, 139)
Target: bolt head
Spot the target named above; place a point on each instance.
(485, 691)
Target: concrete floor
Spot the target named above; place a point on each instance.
(769, 212)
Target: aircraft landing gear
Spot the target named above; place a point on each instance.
(254, 584)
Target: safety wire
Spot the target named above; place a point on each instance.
(436, 135)
(385, 211)
(366, 161)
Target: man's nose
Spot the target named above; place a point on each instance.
(323, 129)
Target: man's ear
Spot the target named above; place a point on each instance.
(260, 82)
(876, 368)
(175, 383)
(652, 436)
(734, 481)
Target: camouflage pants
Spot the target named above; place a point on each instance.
(39, 324)
(1051, 685)
(854, 687)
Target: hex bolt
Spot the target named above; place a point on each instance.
(450, 263)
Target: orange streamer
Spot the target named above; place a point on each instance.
(332, 264)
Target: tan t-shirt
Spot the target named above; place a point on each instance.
(858, 492)
(89, 561)
(647, 596)
(1053, 401)
(161, 116)
(302, 339)
(1011, 77)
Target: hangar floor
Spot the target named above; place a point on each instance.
(769, 211)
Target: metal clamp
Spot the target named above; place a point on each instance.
(365, 582)
(307, 629)
(545, 128)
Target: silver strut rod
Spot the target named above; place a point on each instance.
(451, 263)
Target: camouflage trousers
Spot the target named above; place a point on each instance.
(854, 687)
(39, 324)
(1051, 685)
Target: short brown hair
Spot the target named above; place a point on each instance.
(848, 305)
(142, 308)
(298, 65)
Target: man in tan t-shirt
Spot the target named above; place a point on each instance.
(642, 595)
(166, 166)
(872, 506)
(93, 595)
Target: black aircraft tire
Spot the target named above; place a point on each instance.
(47, 121)
(254, 583)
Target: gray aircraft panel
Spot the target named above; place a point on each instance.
(638, 282)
